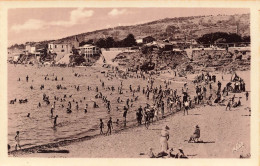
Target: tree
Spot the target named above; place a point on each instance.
(110, 42)
(246, 39)
(78, 59)
(101, 43)
(90, 41)
(129, 41)
(211, 38)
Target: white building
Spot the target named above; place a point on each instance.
(30, 49)
(89, 50)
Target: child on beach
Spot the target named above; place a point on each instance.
(17, 139)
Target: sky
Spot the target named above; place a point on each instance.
(37, 24)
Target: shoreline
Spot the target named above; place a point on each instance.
(35, 149)
(215, 143)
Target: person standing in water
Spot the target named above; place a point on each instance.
(17, 139)
(55, 120)
(124, 114)
(86, 108)
(101, 126)
(27, 78)
(52, 111)
(109, 126)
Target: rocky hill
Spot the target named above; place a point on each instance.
(175, 28)
(210, 60)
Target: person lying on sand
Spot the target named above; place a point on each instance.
(180, 154)
(169, 154)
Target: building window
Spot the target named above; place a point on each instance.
(55, 46)
(61, 46)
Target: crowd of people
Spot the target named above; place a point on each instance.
(161, 98)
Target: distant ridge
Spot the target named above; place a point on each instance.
(179, 27)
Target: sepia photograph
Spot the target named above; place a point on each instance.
(166, 82)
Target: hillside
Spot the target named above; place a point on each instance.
(171, 28)
(191, 27)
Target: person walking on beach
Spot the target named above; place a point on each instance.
(140, 115)
(233, 99)
(186, 107)
(17, 139)
(101, 126)
(146, 118)
(219, 86)
(164, 139)
(109, 126)
(228, 105)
